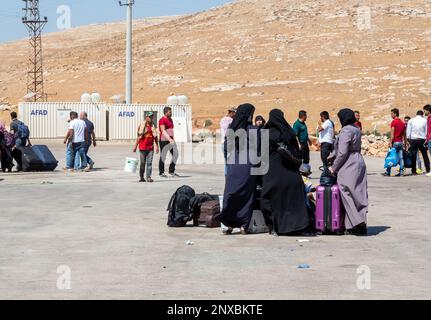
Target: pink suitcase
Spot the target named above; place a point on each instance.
(329, 210)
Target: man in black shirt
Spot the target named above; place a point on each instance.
(92, 137)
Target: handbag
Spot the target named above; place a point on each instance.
(327, 179)
(289, 154)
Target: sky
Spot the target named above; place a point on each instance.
(83, 12)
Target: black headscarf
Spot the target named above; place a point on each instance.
(260, 118)
(243, 117)
(347, 117)
(277, 120)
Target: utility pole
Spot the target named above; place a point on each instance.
(129, 69)
(34, 25)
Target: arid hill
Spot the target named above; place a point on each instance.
(289, 54)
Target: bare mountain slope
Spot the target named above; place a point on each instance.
(287, 54)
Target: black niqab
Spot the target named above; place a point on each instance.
(243, 117)
(277, 120)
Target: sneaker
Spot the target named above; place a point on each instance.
(163, 175)
(174, 175)
(87, 169)
(419, 171)
(142, 180)
(68, 169)
(91, 166)
(150, 180)
(428, 174)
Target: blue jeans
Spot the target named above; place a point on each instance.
(146, 159)
(72, 150)
(399, 146)
(87, 147)
(20, 142)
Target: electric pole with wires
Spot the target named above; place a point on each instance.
(34, 25)
(129, 69)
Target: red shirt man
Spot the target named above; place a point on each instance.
(399, 130)
(427, 109)
(168, 125)
(358, 117)
(429, 129)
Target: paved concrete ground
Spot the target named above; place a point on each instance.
(111, 232)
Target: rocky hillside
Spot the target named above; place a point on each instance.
(288, 54)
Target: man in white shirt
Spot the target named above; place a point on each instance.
(416, 135)
(326, 137)
(76, 141)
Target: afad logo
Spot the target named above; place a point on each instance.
(39, 112)
(126, 114)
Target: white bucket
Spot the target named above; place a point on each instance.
(131, 165)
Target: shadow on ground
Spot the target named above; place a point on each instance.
(376, 230)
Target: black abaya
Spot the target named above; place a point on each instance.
(240, 185)
(283, 197)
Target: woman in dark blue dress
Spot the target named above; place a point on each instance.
(240, 185)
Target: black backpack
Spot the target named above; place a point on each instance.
(327, 179)
(195, 205)
(179, 212)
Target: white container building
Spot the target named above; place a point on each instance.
(124, 120)
(49, 120)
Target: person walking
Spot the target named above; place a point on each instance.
(76, 140)
(301, 131)
(418, 158)
(351, 170)
(22, 138)
(417, 136)
(91, 138)
(20, 130)
(326, 137)
(397, 140)
(167, 143)
(146, 141)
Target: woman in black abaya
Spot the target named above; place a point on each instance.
(283, 197)
(240, 184)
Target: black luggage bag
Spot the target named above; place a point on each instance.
(37, 158)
